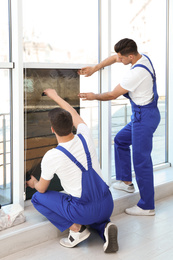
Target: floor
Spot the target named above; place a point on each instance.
(140, 238)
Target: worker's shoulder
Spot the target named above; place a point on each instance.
(83, 129)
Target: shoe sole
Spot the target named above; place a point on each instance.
(140, 214)
(77, 242)
(129, 191)
(111, 245)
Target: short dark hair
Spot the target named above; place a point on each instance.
(61, 121)
(126, 47)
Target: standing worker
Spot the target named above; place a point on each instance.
(138, 85)
(87, 199)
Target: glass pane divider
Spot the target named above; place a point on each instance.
(6, 65)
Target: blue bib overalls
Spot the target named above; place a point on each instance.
(93, 208)
(139, 134)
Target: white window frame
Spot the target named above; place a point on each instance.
(17, 103)
(105, 85)
(170, 79)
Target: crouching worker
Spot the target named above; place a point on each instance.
(87, 200)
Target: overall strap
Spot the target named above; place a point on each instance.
(71, 157)
(153, 75)
(143, 66)
(86, 150)
(150, 63)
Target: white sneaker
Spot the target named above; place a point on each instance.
(137, 211)
(75, 238)
(120, 185)
(110, 233)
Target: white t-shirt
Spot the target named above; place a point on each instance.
(56, 162)
(139, 83)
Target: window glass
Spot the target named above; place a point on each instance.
(4, 42)
(146, 24)
(89, 110)
(60, 31)
(38, 136)
(5, 149)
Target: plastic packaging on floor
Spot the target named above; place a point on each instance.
(11, 215)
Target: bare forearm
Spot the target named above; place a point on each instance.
(36, 185)
(115, 93)
(107, 62)
(65, 105)
(41, 185)
(101, 96)
(75, 116)
(105, 96)
(88, 71)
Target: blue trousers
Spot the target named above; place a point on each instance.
(139, 134)
(63, 210)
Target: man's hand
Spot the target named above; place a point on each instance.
(86, 71)
(51, 93)
(32, 182)
(41, 185)
(87, 96)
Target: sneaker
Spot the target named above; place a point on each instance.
(110, 233)
(137, 211)
(120, 185)
(75, 238)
